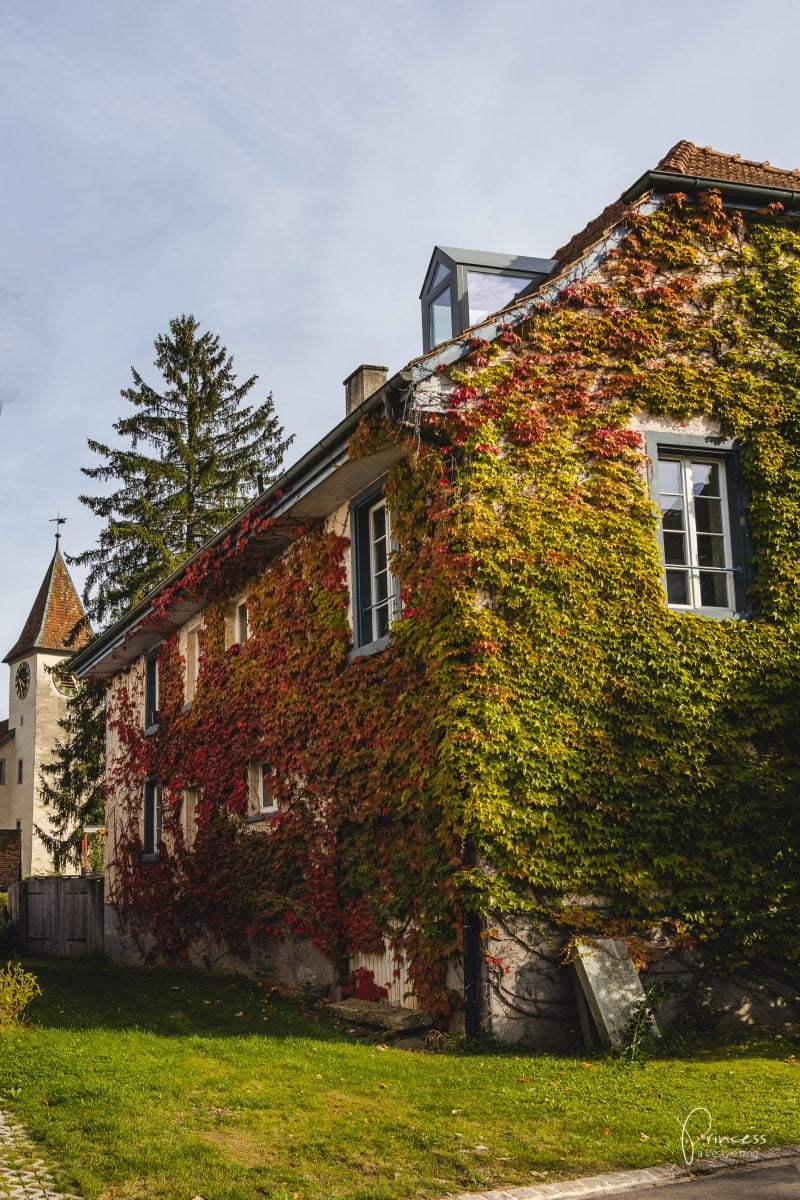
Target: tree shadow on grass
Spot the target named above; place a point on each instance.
(167, 1001)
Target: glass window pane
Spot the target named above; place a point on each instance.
(379, 556)
(705, 479)
(708, 515)
(675, 548)
(378, 515)
(714, 590)
(672, 512)
(441, 318)
(490, 293)
(381, 585)
(669, 477)
(710, 550)
(441, 273)
(381, 621)
(678, 587)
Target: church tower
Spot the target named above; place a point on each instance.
(38, 694)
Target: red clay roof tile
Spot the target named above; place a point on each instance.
(55, 614)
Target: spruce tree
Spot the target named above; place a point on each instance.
(71, 784)
(189, 458)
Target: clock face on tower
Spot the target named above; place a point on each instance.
(22, 680)
(64, 680)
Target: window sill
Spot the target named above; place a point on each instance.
(150, 730)
(367, 649)
(187, 706)
(713, 614)
(260, 818)
(148, 858)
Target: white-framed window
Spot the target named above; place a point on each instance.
(242, 621)
(694, 501)
(192, 661)
(153, 831)
(237, 622)
(376, 591)
(267, 801)
(262, 800)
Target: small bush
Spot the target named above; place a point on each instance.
(17, 988)
(8, 929)
(361, 984)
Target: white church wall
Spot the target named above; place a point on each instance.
(22, 719)
(51, 707)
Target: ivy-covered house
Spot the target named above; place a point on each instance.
(510, 657)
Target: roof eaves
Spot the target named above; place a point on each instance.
(322, 459)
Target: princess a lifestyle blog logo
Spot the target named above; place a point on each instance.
(698, 1139)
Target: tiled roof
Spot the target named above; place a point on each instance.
(687, 159)
(693, 161)
(10, 858)
(56, 612)
(5, 732)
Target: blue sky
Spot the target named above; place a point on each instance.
(283, 171)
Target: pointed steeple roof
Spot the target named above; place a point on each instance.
(56, 611)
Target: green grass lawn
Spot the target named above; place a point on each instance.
(172, 1084)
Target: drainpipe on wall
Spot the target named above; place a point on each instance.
(474, 1022)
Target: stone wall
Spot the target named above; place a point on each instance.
(528, 990)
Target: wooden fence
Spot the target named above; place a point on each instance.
(60, 916)
(389, 970)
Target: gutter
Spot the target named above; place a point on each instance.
(669, 181)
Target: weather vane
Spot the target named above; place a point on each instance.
(58, 521)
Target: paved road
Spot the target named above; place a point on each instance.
(767, 1181)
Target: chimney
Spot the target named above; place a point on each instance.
(363, 382)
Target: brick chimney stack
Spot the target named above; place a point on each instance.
(362, 383)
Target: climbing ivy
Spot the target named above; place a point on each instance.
(543, 735)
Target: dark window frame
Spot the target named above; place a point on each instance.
(153, 831)
(728, 452)
(2, 772)
(151, 682)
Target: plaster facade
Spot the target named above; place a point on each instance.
(27, 744)
(34, 721)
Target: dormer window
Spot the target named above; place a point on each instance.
(464, 287)
(492, 292)
(440, 307)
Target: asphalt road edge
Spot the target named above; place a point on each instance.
(622, 1181)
